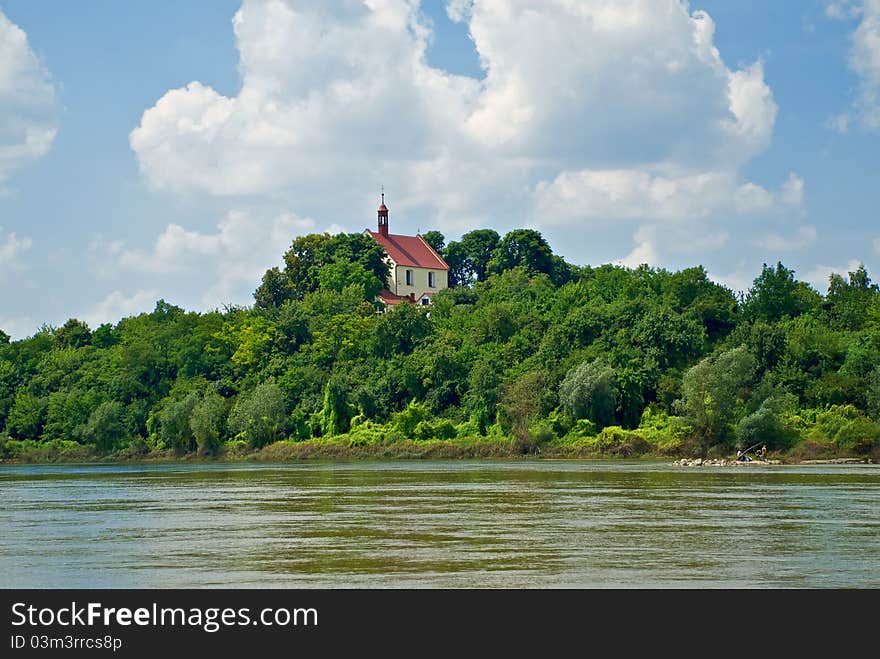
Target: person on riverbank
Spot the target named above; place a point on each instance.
(742, 457)
(763, 453)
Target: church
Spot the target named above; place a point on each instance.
(417, 271)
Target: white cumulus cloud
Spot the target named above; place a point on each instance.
(625, 104)
(224, 266)
(631, 194)
(11, 248)
(819, 275)
(28, 107)
(118, 305)
(684, 238)
(864, 61)
(776, 242)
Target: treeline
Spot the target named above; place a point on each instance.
(525, 348)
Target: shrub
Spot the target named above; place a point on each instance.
(409, 418)
(859, 436)
(767, 425)
(617, 441)
(440, 429)
(830, 421)
(543, 432)
(584, 428)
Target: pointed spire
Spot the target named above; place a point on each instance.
(383, 215)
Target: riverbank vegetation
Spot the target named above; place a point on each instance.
(525, 354)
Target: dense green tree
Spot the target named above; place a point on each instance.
(207, 422)
(436, 240)
(27, 416)
(339, 275)
(73, 334)
(849, 300)
(275, 289)
(337, 411)
(291, 327)
(410, 418)
(468, 259)
(589, 391)
(174, 427)
(105, 428)
(401, 329)
(309, 253)
(873, 394)
(766, 425)
(522, 247)
(67, 410)
(517, 348)
(258, 416)
(776, 294)
(523, 401)
(714, 395)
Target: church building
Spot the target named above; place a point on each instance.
(417, 271)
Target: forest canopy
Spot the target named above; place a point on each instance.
(524, 347)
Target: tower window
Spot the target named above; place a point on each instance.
(409, 277)
(431, 283)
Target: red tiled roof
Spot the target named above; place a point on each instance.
(410, 250)
(387, 297)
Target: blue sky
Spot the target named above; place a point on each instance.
(174, 153)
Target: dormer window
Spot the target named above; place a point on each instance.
(431, 282)
(409, 277)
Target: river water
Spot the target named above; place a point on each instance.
(434, 524)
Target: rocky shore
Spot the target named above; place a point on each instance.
(721, 462)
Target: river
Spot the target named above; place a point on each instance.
(432, 524)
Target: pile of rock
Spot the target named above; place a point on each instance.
(700, 462)
(720, 462)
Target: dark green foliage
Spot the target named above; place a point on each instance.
(849, 300)
(767, 424)
(27, 416)
(105, 428)
(308, 255)
(258, 417)
(401, 329)
(776, 294)
(207, 423)
(275, 289)
(589, 391)
(174, 426)
(522, 247)
(73, 334)
(525, 346)
(340, 275)
(468, 259)
(715, 393)
(523, 401)
(337, 412)
(436, 240)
